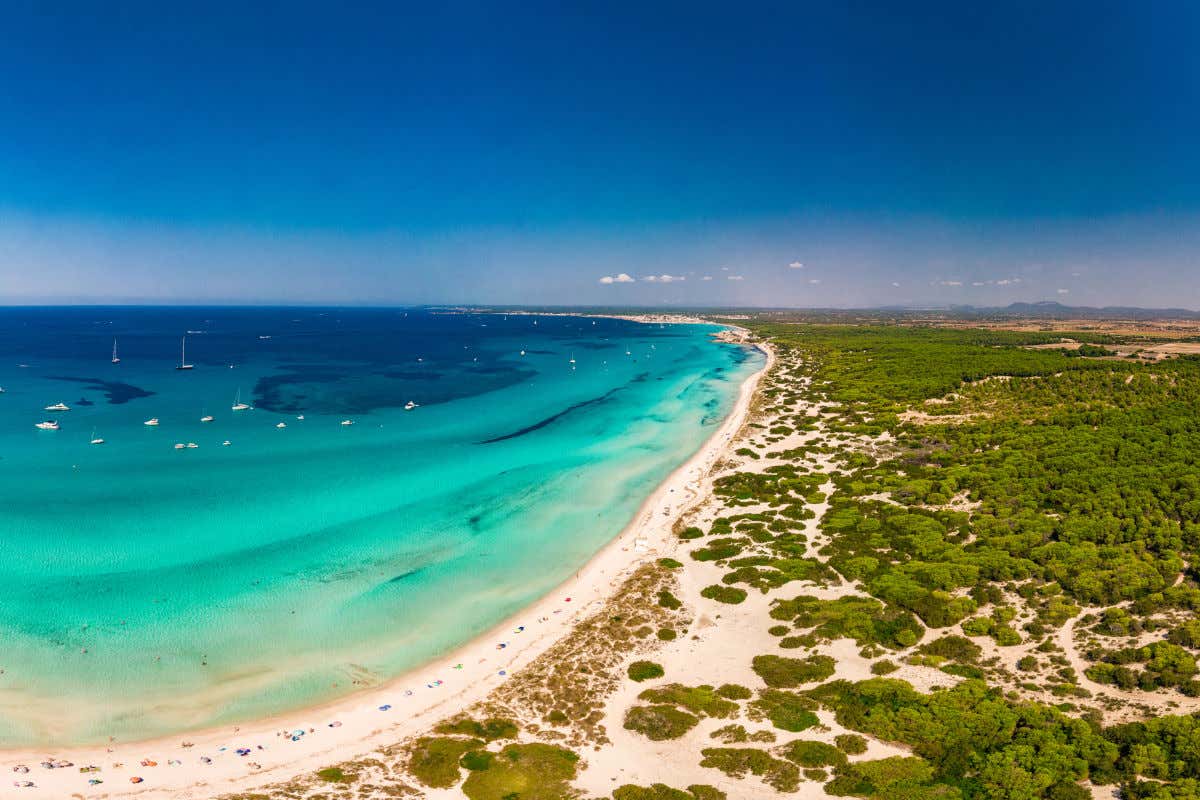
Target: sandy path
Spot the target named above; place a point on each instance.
(243, 757)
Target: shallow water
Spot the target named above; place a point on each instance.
(149, 590)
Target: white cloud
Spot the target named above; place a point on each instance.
(814, 281)
(896, 284)
(663, 278)
(1064, 291)
(979, 283)
(796, 265)
(734, 277)
(724, 269)
(950, 283)
(707, 278)
(619, 278)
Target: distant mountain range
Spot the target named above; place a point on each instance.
(1053, 310)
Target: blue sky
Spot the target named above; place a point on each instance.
(520, 153)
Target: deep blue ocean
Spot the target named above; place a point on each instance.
(149, 589)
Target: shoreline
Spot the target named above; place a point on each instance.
(408, 704)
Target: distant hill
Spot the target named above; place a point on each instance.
(1053, 310)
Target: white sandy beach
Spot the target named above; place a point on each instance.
(229, 759)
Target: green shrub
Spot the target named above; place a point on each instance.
(731, 691)
(659, 723)
(724, 594)
(660, 791)
(477, 760)
(645, 670)
(954, 648)
(532, 771)
(787, 711)
(489, 730)
(433, 760)
(335, 775)
(851, 744)
(812, 754)
(702, 700)
(668, 600)
(737, 762)
(718, 550)
(780, 672)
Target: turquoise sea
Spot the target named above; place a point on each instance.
(149, 590)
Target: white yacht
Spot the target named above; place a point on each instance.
(299, 416)
(180, 445)
(238, 405)
(410, 405)
(58, 407)
(183, 355)
(153, 421)
(192, 445)
(281, 425)
(226, 443)
(347, 422)
(48, 425)
(206, 418)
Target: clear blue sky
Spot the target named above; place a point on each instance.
(521, 152)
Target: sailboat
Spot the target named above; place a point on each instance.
(96, 439)
(183, 354)
(115, 359)
(238, 405)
